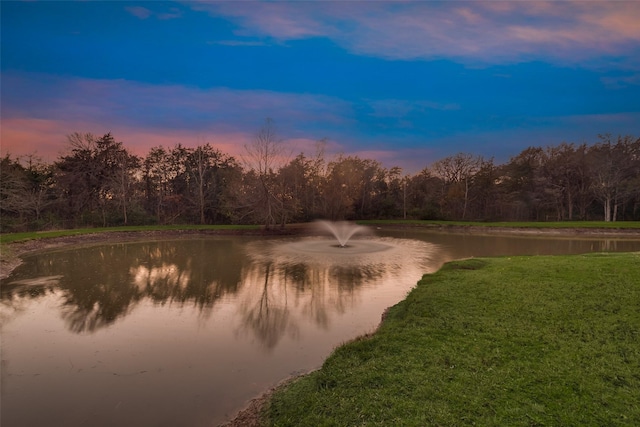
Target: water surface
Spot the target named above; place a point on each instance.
(184, 332)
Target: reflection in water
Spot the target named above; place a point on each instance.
(184, 332)
(265, 311)
(101, 284)
(15, 296)
(311, 281)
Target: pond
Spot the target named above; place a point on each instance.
(184, 332)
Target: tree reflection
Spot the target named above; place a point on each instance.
(268, 315)
(101, 284)
(277, 295)
(15, 295)
(274, 294)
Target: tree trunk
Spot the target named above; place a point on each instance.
(607, 209)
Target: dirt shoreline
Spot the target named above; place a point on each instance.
(250, 415)
(632, 233)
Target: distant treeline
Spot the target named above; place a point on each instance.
(100, 183)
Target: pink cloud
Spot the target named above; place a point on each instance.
(48, 138)
(412, 160)
(164, 108)
(144, 115)
(277, 19)
(22, 136)
(563, 31)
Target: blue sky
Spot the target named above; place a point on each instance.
(404, 83)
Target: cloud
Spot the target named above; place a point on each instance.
(470, 32)
(604, 122)
(48, 138)
(400, 108)
(235, 43)
(173, 13)
(22, 136)
(144, 13)
(280, 20)
(138, 11)
(43, 109)
(142, 116)
(174, 106)
(621, 81)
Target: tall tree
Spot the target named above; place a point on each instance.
(344, 187)
(457, 173)
(521, 182)
(293, 188)
(209, 172)
(26, 189)
(263, 157)
(422, 196)
(13, 185)
(488, 197)
(96, 176)
(615, 169)
(156, 178)
(78, 176)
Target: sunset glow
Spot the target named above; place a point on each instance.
(404, 82)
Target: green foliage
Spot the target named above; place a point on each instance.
(514, 341)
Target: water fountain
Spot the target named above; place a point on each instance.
(341, 230)
(340, 244)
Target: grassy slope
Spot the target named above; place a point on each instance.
(517, 341)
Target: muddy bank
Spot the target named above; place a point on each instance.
(524, 231)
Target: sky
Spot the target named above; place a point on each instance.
(404, 83)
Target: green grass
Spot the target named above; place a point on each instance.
(519, 341)
(17, 237)
(513, 224)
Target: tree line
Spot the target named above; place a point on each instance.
(99, 182)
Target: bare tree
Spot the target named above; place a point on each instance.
(123, 179)
(615, 168)
(457, 173)
(263, 158)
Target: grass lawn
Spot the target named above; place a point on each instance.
(514, 341)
